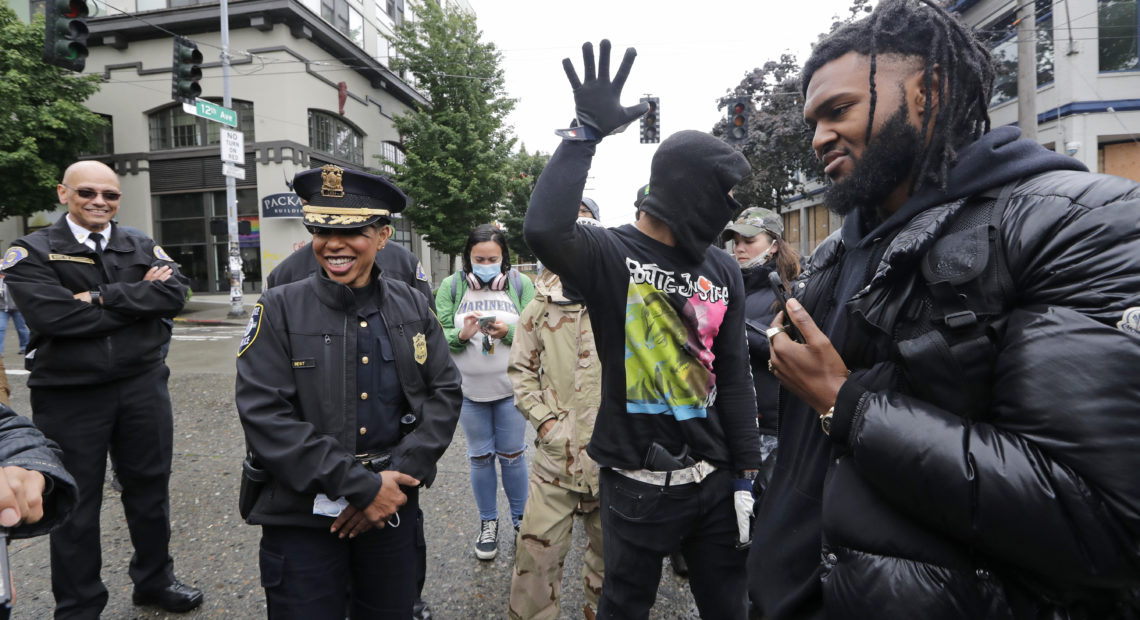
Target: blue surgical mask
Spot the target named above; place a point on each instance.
(487, 272)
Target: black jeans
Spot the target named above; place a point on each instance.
(309, 573)
(642, 523)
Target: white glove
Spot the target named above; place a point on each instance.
(744, 503)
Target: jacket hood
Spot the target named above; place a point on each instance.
(548, 286)
(691, 175)
(997, 158)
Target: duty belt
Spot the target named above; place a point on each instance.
(693, 474)
(375, 461)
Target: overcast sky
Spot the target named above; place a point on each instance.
(689, 55)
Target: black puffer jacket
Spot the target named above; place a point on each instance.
(23, 445)
(927, 504)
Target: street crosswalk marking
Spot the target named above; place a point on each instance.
(206, 333)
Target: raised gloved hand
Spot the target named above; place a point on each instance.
(743, 501)
(598, 100)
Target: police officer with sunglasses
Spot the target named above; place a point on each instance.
(95, 296)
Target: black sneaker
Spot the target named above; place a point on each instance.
(420, 610)
(487, 543)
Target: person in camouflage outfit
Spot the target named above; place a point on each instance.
(556, 374)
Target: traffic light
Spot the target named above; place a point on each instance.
(738, 111)
(65, 34)
(187, 71)
(650, 123)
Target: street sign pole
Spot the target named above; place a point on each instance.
(236, 306)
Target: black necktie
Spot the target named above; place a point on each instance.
(97, 238)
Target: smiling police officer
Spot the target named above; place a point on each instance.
(95, 295)
(348, 397)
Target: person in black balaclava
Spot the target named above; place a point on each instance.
(676, 432)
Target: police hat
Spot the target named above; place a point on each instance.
(340, 198)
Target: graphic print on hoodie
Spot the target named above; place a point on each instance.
(670, 323)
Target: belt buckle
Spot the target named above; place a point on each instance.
(702, 470)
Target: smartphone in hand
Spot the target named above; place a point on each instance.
(777, 285)
(486, 321)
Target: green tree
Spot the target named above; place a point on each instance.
(457, 149)
(46, 125)
(779, 142)
(524, 170)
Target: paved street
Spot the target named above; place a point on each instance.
(216, 551)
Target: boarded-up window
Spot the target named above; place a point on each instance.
(1122, 159)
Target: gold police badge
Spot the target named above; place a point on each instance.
(420, 344)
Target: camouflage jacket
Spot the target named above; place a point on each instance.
(556, 374)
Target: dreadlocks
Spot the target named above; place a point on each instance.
(920, 28)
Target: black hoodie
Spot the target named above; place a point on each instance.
(691, 175)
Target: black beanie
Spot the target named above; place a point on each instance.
(691, 175)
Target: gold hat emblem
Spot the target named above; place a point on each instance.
(331, 181)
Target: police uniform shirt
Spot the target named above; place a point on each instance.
(82, 235)
(380, 400)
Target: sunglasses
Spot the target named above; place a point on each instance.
(90, 194)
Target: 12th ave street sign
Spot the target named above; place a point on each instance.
(211, 112)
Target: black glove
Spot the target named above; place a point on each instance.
(598, 100)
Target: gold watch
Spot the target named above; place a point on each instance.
(825, 420)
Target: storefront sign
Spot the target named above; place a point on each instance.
(281, 205)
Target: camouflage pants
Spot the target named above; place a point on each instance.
(544, 540)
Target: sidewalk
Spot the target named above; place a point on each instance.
(214, 309)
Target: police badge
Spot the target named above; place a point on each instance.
(420, 344)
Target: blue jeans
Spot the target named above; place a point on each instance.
(496, 428)
(21, 328)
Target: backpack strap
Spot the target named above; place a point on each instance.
(515, 279)
(950, 360)
(455, 284)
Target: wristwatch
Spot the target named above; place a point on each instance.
(95, 295)
(825, 420)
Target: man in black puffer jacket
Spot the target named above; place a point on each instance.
(958, 437)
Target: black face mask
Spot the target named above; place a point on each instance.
(887, 161)
(690, 177)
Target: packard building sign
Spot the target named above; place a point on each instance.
(281, 205)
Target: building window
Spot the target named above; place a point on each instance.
(172, 128)
(345, 19)
(182, 226)
(403, 231)
(355, 27)
(105, 141)
(1001, 36)
(331, 134)
(390, 152)
(395, 10)
(1119, 24)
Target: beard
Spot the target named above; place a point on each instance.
(888, 160)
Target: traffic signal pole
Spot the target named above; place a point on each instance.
(236, 306)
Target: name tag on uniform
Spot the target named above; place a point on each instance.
(306, 363)
(74, 259)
